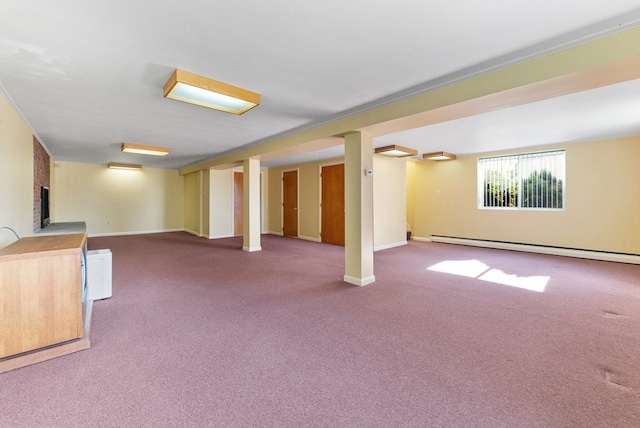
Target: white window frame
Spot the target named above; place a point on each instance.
(520, 159)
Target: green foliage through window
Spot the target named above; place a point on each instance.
(530, 181)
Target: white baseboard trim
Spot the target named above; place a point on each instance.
(419, 238)
(194, 233)
(387, 246)
(555, 251)
(251, 249)
(360, 282)
(306, 238)
(219, 236)
(139, 232)
(309, 238)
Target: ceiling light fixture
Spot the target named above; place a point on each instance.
(438, 156)
(145, 150)
(395, 150)
(125, 166)
(205, 92)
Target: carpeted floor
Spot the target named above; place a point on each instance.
(201, 334)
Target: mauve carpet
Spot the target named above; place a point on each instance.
(199, 333)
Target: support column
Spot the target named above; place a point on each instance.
(358, 202)
(251, 202)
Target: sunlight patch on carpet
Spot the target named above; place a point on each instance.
(468, 268)
(477, 269)
(533, 283)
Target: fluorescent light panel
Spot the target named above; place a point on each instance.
(145, 150)
(205, 92)
(438, 156)
(131, 166)
(395, 150)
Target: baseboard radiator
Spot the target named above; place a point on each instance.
(556, 251)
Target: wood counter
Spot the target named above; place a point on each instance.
(42, 281)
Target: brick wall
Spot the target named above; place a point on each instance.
(41, 177)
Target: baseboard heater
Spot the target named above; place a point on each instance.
(556, 251)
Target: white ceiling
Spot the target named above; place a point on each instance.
(87, 76)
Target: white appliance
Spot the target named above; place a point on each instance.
(99, 274)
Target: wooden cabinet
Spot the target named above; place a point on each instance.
(42, 289)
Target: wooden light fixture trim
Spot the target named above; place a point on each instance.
(245, 100)
(439, 156)
(131, 166)
(395, 148)
(145, 150)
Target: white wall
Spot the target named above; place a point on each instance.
(221, 203)
(115, 202)
(16, 175)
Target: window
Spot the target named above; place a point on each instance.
(525, 181)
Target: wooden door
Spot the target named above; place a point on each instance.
(332, 221)
(290, 203)
(238, 204)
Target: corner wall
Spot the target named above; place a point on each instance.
(193, 203)
(41, 178)
(209, 202)
(389, 202)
